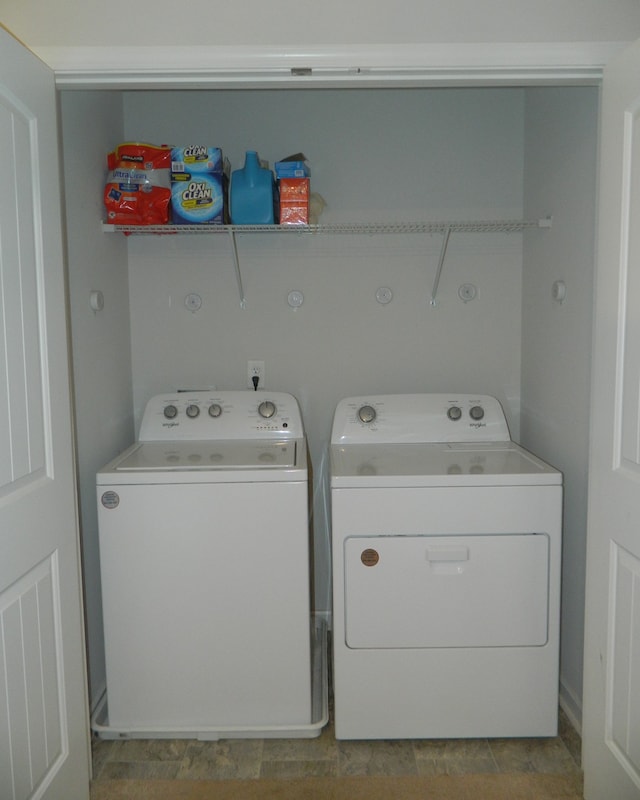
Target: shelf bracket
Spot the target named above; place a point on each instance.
(236, 264)
(444, 228)
(443, 253)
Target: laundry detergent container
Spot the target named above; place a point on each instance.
(251, 198)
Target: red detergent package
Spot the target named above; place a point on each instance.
(138, 185)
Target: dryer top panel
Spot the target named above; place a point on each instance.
(438, 464)
(413, 418)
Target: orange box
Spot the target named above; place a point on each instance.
(294, 201)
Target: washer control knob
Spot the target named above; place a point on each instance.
(193, 411)
(266, 409)
(366, 414)
(170, 412)
(476, 412)
(454, 413)
(215, 410)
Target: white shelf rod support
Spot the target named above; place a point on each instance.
(443, 252)
(236, 263)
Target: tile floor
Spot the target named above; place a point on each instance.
(326, 757)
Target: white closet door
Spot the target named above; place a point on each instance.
(43, 707)
(611, 729)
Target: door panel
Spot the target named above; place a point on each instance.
(23, 412)
(32, 722)
(629, 432)
(623, 719)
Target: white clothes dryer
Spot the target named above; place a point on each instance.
(446, 572)
(205, 565)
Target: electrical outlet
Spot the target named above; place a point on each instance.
(255, 369)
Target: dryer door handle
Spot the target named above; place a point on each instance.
(439, 553)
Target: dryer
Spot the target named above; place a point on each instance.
(446, 551)
(205, 564)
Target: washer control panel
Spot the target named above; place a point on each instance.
(203, 415)
(419, 418)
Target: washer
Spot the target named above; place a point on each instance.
(446, 562)
(205, 565)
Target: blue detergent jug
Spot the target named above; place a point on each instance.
(251, 193)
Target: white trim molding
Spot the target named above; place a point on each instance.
(431, 64)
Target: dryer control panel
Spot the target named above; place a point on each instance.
(398, 418)
(207, 414)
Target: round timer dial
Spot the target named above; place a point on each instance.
(266, 409)
(366, 414)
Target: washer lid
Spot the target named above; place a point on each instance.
(438, 464)
(208, 455)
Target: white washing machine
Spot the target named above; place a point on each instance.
(446, 572)
(205, 565)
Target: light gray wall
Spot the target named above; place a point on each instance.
(379, 156)
(560, 176)
(101, 340)
(294, 24)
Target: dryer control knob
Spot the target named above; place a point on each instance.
(193, 411)
(170, 412)
(366, 414)
(266, 409)
(476, 412)
(454, 413)
(215, 410)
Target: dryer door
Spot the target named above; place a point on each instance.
(446, 591)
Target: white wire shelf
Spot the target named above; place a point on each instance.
(445, 228)
(456, 226)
